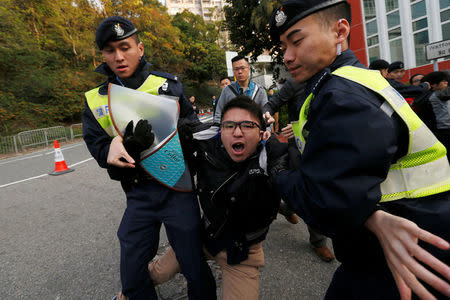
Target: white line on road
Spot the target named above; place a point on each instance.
(37, 155)
(39, 176)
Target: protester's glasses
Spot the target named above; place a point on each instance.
(244, 126)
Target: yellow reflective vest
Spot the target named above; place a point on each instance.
(98, 104)
(424, 170)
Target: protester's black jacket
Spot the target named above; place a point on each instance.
(98, 141)
(237, 199)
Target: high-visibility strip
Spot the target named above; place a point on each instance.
(417, 179)
(423, 139)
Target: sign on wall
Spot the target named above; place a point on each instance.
(438, 50)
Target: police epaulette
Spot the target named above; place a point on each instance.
(165, 75)
(322, 77)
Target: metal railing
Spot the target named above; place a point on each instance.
(76, 130)
(38, 137)
(41, 136)
(8, 144)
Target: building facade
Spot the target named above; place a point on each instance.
(210, 10)
(399, 30)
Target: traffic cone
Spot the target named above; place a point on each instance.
(60, 163)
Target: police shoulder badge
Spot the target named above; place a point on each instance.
(280, 18)
(119, 30)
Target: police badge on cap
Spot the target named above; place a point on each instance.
(292, 11)
(113, 29)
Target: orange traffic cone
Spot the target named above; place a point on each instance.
(60, 163)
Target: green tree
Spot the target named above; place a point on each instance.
(205, 60)
(247, 22)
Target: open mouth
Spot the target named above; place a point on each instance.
(238, 148)
(121, 68)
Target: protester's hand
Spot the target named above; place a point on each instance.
(287, 131)
(139, 140)
(118, 156)
(268, 118)
(399, 239)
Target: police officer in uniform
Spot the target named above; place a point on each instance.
(368, 163)
(149, 203)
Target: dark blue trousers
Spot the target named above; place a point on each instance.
(148, 206)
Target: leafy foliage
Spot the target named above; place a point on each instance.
(48, 54)
(247, 22)
(204, 58)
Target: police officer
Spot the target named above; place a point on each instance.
(149, 203)
(364, 154)
(395, 74)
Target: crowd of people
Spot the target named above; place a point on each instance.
(359, 166)
(427, 94)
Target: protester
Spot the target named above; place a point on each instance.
(360, 141)
(293, 94)
(242, 86)
(380, 65)
(236, 196)
(149, 203)
(416, 79)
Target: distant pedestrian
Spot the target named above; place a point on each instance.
(224, 81)
(242, 86)
(194, 105)
(416, 79)
(380, 65)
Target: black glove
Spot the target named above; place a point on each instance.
(139, 140)
(277, 157)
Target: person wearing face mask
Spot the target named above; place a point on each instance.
(149, 203)
(368, 163)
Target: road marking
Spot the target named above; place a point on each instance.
(80, 162)
(23, 180)
(37, 155)
(39, 176)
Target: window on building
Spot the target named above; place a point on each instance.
(420, 30)
(394, 30)
(386, 33)
(371, 30)
(445, 18)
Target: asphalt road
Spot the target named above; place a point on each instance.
(58, 236)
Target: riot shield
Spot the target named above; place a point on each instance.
(164, 160)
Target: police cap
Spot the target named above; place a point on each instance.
(113, 29)
(395, 66)
(379, 64)
(292, 11)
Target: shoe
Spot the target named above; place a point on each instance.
(324, 253)
(293, 219)
(290, 216)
